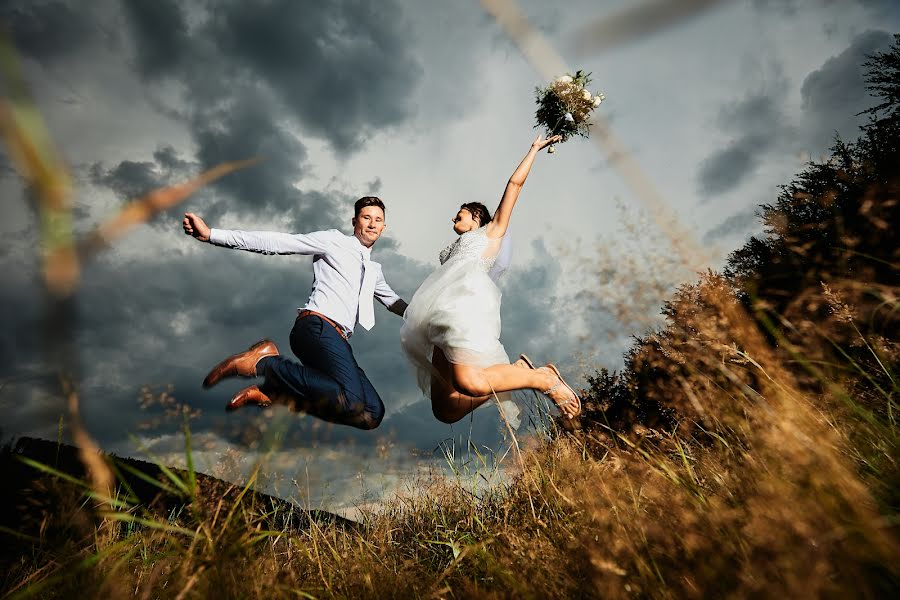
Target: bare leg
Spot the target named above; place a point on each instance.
(448, 404)
(460, 389)
(476, 382)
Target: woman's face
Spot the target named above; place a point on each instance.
(463, 222)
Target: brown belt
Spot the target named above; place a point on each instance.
(312, 313)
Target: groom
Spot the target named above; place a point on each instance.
(328, 384)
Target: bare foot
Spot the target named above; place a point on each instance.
(561, 393)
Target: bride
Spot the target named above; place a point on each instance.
(451, 328)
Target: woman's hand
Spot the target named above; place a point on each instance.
(540, 143)
(498, 225)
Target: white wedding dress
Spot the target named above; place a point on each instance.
(457, 309)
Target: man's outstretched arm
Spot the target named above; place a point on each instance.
(265, 242)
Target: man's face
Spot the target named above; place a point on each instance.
(368, 224)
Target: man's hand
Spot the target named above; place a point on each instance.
(194, 225)
(398, 307)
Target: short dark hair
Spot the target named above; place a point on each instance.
(479, 211)
(367, 201)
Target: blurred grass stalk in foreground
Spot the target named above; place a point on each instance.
(50, 185)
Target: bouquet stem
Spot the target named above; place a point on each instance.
(552, 147)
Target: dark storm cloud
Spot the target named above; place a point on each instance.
(161, 35)
(725, 169)
(20, 321)
(342, 69)
(128, 179)
(244, 128)
(738, 224)
(47, 30)
(169, 159)
(834, 94)
(756, 123)
(254, 76)
(528, 307)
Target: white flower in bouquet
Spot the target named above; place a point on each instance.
(564, 79)
(597, 100)
(586, 95)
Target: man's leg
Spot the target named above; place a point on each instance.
(329, 384)
(374, 406)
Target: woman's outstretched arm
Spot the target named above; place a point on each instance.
(498, 225)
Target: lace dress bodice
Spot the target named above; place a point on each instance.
(473, 244)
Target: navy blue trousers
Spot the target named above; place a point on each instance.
(328, 384)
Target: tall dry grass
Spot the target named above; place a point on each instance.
(775, 481)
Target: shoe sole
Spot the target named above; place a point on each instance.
(231, 407)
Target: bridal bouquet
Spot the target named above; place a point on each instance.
(565, 106)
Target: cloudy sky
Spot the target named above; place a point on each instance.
(427, 104)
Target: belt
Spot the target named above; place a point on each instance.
(312, 313)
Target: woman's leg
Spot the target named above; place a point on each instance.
(448, 404)
(475, 382)
(460, 389)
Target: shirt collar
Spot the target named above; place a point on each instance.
(366, 252)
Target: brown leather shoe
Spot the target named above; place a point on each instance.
(248, 395)
(241, 365)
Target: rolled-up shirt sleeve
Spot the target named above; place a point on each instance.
(383, 292)
(271, 242)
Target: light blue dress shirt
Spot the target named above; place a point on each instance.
(337, 267)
